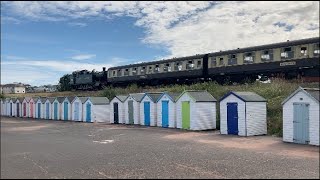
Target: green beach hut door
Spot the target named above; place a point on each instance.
(185, 114)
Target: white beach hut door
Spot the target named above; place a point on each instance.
(301, 123)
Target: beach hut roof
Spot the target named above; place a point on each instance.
(137, 96)
(199, 96)
(51, 99)
(122, 98)
(173, 96)
(313, 93)
(99, 100)
(246, 96)
(153, 95)
(60, 99)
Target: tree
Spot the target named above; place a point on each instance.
(64, 83)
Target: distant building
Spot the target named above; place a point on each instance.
(13, 88)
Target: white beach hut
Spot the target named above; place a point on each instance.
(166, 110)
(32, 107)
(243, 114)
(57, 106)
(148, 108)
(13, 107)
(96, 109)
(196, 110)
(301, 116)
(132, 108)
(48, 107)
(8, 107)
(77, 106)
(25, 107)
(117, 110)
(66, 108)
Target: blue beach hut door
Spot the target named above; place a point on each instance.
(147, 113)
(165, 114)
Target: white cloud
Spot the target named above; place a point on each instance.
(78, 24)
(187, 28)
(5, 19)
(83, 56)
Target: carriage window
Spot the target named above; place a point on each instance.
(167, 67)
(304, 51)
(213, 62)
(287, 53)
(119, 72)
(150, 69)
(113, 73)
(178, 66)
(316, 51)
(190, 65)
(248, 57)
(157, 69)
(199, 63)
(134, 71)
(126, 72)
(267, 55)
(143, 70)
(232, 59)
(221, 61)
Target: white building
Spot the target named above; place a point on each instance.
(13, 89)
(301, 117)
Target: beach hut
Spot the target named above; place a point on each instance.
(166, 110)
(18, 106)
(8, 107)
(2, 102)
(25, 107)
(48, 108)
(13, 107)
(117, 110)
(32, 107)
(57, 108)
(43, 107)
(40, 108)
(66, 109)
(301, 116)
(196, 110)
(148, 108)
(96, 109)
(243, 114)
(76, 106)
(132, 108)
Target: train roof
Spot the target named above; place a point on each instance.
(267, 46)
(160, 61)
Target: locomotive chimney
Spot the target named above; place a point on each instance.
(103, 68)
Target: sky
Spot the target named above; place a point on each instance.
(42, 41)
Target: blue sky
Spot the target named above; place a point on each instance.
(41, 41)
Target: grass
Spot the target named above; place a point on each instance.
(275, 93)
